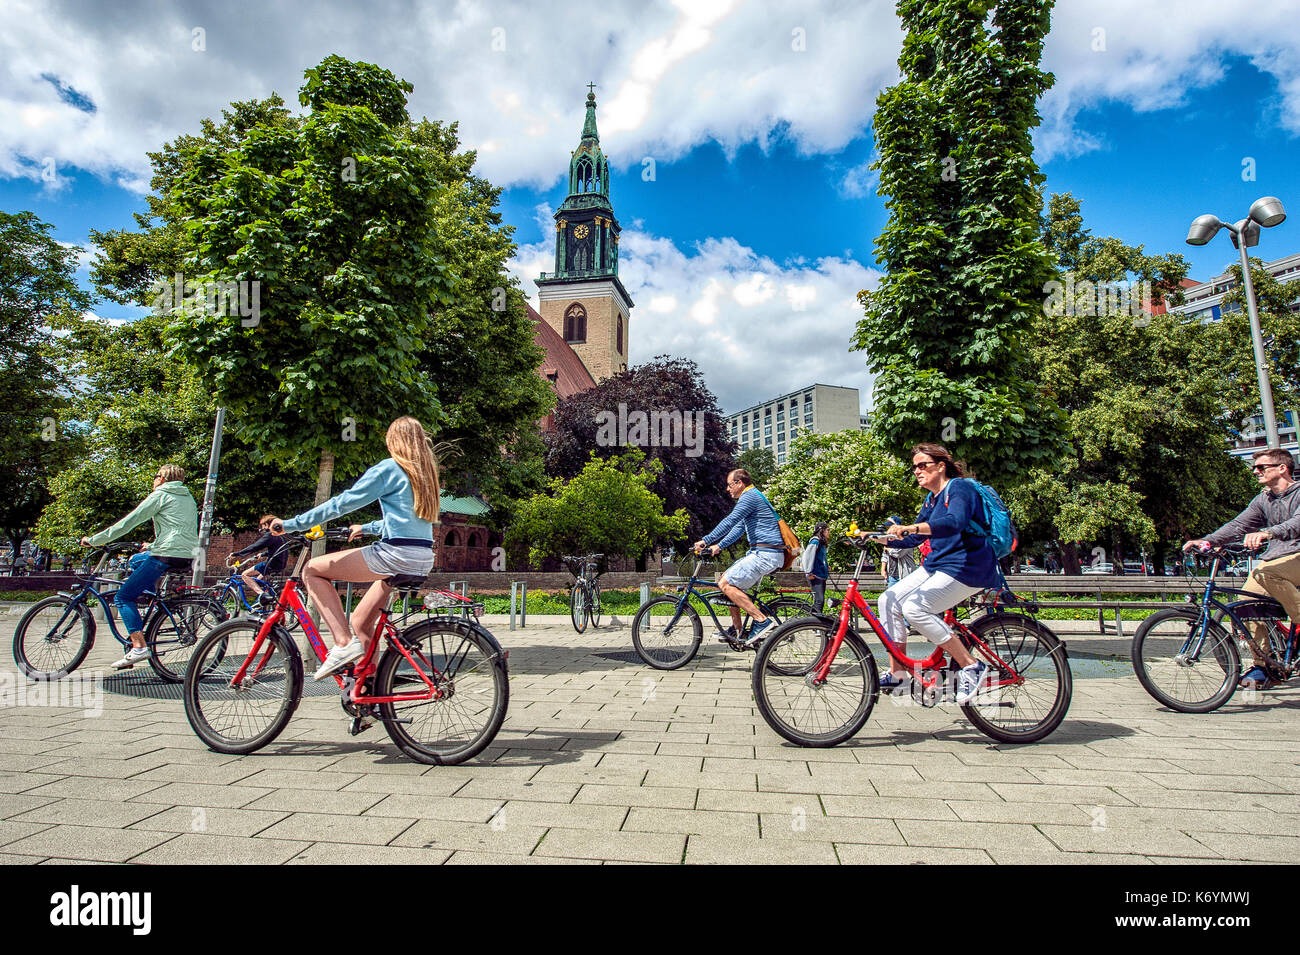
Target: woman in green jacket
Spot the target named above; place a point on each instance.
(176, 542)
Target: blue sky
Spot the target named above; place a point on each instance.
(747, 248)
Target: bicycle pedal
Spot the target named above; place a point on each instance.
(361, 723)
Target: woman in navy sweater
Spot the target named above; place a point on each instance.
(961, 563)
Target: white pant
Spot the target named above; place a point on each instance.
(920, 599)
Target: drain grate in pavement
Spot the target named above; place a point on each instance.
(150, 687)
(622, 656)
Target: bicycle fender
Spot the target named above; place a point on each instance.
(464, 627)
(84, 611)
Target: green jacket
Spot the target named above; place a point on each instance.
(175, 522)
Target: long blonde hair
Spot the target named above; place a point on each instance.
(409, 446)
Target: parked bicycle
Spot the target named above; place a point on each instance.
(815, 679)
(1188, 658)
(56, 634)
(667, 631)
(584, 592)
(440, 686)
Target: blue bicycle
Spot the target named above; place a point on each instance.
(232, 594)
(1187, 657)
(667, 631)
(54, 637)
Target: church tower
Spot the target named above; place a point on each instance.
(583, 299)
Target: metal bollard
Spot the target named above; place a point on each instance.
(459, 587)
(518, 603)
(645, 594)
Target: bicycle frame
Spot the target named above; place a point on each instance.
(364, 668)
(235, 585)
(853, 600)
(81, 597)
(1195, 642)
(706, 597)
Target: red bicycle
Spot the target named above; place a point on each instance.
(815, 679)
(440, 688)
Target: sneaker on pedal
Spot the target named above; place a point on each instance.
(338, 658)
(969, 680)
(891, 682)
(727, 636)
(133, 656)
(757, 632)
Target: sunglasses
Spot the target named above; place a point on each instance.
(1264, 467)
(924, 465)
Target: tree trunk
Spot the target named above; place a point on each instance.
(1070, 558)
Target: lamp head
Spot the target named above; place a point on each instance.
(1268, 212)
(1203, 229)
(1245, 232)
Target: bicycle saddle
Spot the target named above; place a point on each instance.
(405, 581)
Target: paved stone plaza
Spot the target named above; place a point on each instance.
(604, 760)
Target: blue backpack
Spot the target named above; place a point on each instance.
(1001, 529)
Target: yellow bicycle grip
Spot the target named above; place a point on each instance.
(315, 534)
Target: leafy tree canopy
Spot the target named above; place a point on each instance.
(669, 395)
(609, 507)
(1147, 461)
(840, 478)
(38, 293)
(946, 333)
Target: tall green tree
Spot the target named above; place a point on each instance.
(382, 287)
(947, 331)
(1230, 354)
(135, 408)
(609, 507)
(683, 428)
(38, 292)
(1147, 464)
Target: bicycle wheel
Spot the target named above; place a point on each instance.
(808, 713)
(468, 668)
(665, 638)
(594, 604)
(1172, 669)
(578, 606)
(1026, 700)
(242, 718)
(794, 659)
(53, 638)
(174, 630)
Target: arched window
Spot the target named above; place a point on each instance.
(619, 344)
(473, 539)
(575, 324)
(584, 176)
(451, 540)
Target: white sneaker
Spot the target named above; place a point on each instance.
(133, 656)
(969, 680)
(338, 658)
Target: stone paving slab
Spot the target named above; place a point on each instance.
(602, 761)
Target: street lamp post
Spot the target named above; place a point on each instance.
(1266, 212)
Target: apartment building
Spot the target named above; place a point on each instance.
(776, 423)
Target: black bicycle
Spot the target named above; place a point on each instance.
(1187, 657)
(667, 631)
(584, 592)
(55, 635)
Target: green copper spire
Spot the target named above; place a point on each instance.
(589, 127)
(588, 169)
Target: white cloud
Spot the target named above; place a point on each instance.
(704, 305)
(95, 86)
